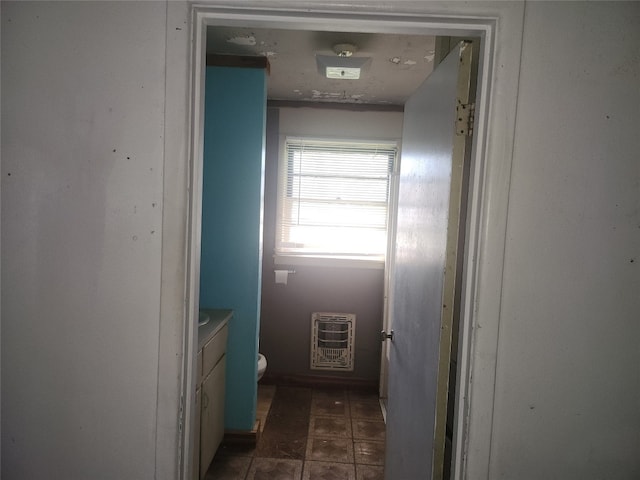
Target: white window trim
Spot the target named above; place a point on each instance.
(343, 261)
(376, 263)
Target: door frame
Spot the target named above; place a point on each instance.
(488, 186)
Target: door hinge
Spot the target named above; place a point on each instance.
(465, 113)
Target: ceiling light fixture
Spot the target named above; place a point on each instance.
(344, 65)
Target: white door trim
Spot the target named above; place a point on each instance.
(489, 182)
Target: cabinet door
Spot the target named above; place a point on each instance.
(195, 460)
(212, 420)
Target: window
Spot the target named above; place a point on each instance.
(333, 198)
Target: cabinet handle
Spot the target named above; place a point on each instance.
(205, 400)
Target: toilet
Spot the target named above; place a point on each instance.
(262, 365)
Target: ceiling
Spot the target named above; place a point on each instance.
(399, 63)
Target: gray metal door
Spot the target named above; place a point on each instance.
(420, 345)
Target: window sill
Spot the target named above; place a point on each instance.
(330, 261)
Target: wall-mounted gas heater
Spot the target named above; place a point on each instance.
(332, 341)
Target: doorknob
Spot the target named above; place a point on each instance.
(384, 335)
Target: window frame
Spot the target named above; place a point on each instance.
(333, 259)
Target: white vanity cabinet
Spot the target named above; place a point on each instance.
(211, 362)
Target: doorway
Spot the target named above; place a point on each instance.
(205, 17)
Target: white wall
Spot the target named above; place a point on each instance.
(568, 378)
(83, 91)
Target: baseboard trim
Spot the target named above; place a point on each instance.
(242, 437)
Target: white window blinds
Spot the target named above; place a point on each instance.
(334, 198)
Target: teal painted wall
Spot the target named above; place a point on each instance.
(232, 211)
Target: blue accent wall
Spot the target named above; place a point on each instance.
(232, 211)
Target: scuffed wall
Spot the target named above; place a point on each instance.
(568, 378)
(83, 97)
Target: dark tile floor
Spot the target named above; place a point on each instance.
(309, 434)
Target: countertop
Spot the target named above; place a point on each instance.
(218, 318)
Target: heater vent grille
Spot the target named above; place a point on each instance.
(332, 341)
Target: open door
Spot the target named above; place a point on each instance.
(435, 137)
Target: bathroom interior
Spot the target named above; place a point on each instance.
(261, 309)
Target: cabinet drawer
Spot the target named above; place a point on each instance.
(213, 350)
